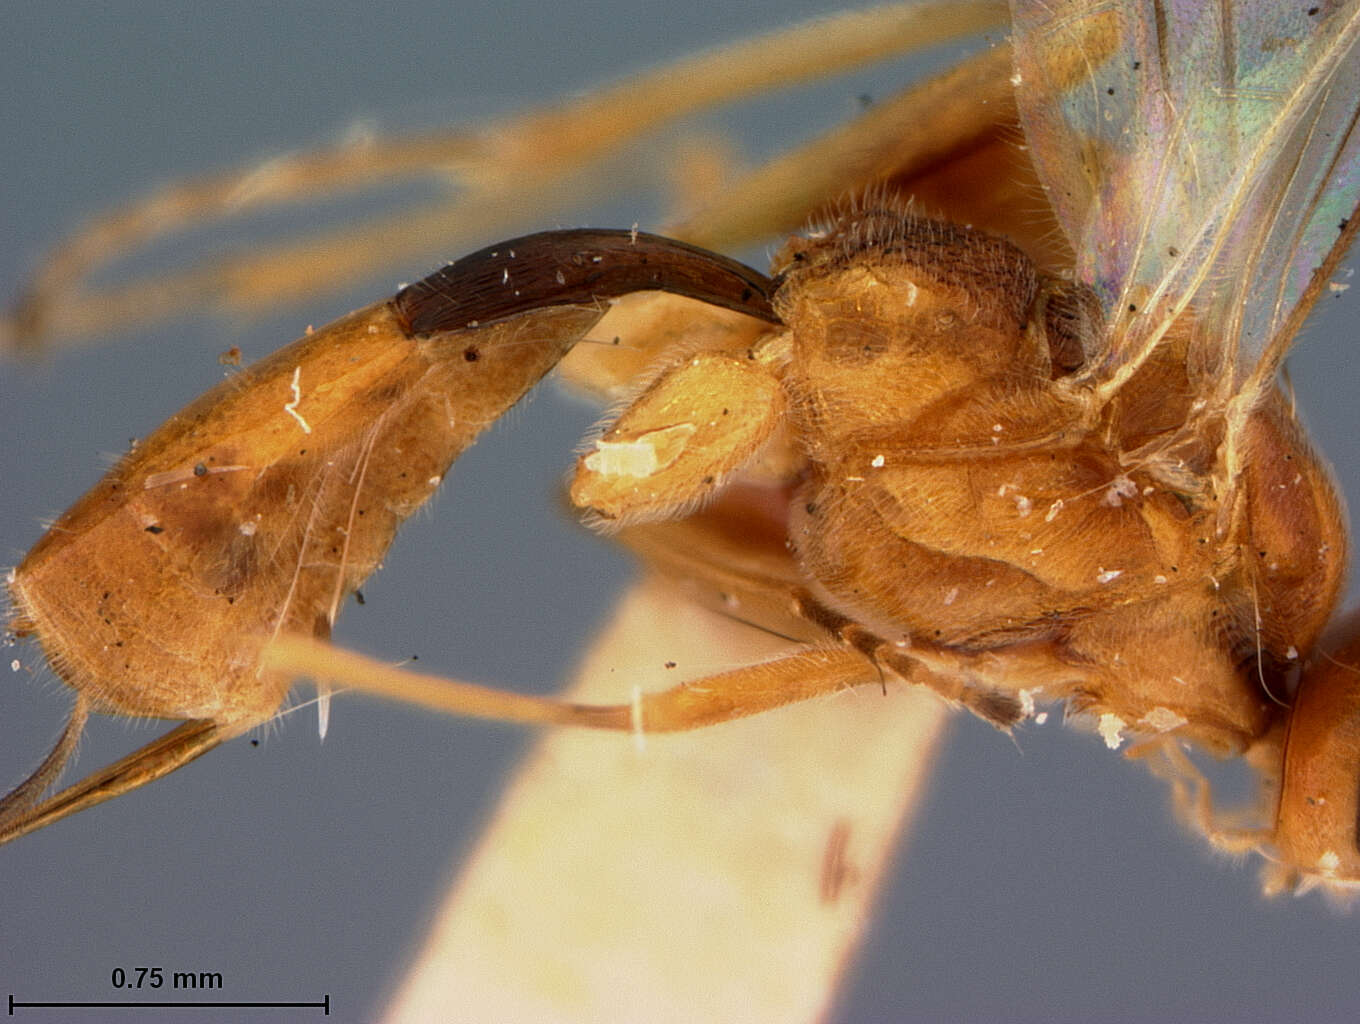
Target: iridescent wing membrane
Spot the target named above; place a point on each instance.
(1200, 157)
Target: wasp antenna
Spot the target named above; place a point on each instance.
(148, 763)
(22, 797)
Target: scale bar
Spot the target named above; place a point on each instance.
(324, 1005)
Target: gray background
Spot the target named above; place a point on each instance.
(1046, 881)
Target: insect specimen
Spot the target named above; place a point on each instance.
(1242, 724)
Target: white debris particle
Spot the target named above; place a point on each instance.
(15, 665)
(1337, 287)
(877, 462)
(1111, 727)
(248, 528)
(622, 458)
(1016, 79)
(950, 597)
(1053, 511)
(1159, 578)
(1121, 487)
(633, 234)
(641, 456)
(435, 480)
(1328, 863)
(561, 278)
(291, 407)
(505, 276)
(1161, 719)
(1041, 718)
(1293, 653)
(1023, 506)
(997, 428)
(372, 328)
(1027, 703)
(911, 294)
(1108, 575)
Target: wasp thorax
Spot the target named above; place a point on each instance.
(963, 485)
(895, 320)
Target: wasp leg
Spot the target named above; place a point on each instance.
(679, 442)
(1193, 798)
(670, 833)
(748, 690)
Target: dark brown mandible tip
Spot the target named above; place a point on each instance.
(572, 268)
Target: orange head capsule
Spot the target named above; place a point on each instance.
(255, 511)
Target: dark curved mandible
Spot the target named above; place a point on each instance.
(572, 268)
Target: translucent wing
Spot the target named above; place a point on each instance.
(1199, 156)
